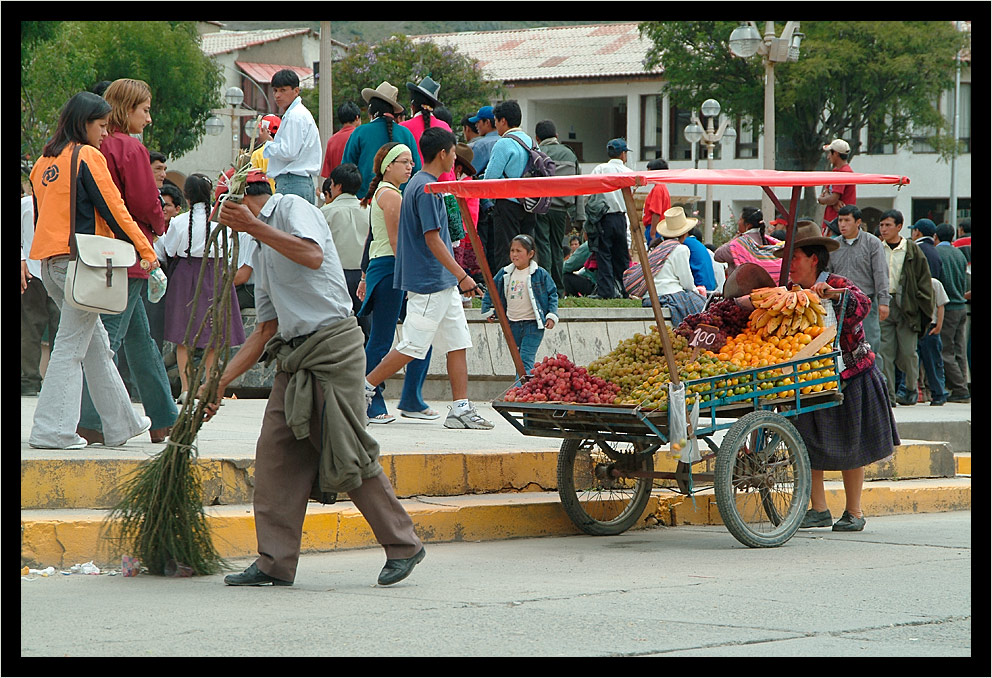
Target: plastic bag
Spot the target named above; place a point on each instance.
(677, 428)
(157, 284)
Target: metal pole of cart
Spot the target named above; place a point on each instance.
(480, 256)
(637, 238)
(790, 217)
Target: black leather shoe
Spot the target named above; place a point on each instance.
(814, 518)
(907, 401)
(254, 577)
(398, 569)
(849, 523)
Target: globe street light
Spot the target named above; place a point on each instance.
(214, 125)
(710, 138)
(745, 42)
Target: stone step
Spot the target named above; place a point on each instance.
(61, 538)
(92, 482)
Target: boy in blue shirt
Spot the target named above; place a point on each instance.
(434, 282)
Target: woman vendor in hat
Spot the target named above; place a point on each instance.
(861, 430)
(673, 279)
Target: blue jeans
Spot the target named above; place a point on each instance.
(929, 348)
(130, 329)
(81, 344)
(296, 184)
(386, 303)
(528, 337)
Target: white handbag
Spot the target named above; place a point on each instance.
(96, 278)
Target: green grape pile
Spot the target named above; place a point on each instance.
(634, 360)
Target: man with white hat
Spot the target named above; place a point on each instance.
(833, 196)
(672, 275)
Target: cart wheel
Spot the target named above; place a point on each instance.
(595, 492)
(762, 479)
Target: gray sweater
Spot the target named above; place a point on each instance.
(863, 263)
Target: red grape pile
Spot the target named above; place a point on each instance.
(725, 315)
(557, 379)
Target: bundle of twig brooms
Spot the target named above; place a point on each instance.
(160, 516)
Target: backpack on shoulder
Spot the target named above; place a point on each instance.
(539, 164)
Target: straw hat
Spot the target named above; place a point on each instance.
(464, 155)
(808, 233)
(675, 223)
(386, 92)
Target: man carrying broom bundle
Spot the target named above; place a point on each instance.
(313, 440)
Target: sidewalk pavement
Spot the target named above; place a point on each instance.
(233, 432)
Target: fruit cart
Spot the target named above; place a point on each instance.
(761, 475)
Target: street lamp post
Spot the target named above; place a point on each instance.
(710, 137)
(745, 42)
(234, 96)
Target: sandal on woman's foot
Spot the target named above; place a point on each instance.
(423, 414)
(382, 419)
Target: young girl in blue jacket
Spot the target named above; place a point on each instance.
(529, 296)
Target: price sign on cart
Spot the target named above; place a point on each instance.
(704, 338)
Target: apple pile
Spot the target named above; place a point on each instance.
(558, 379)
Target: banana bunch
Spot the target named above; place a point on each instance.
(780, 311)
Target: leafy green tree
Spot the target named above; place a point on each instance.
(399, 60)
(71, 56)
(850, 74)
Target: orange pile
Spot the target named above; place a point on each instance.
(754, 348)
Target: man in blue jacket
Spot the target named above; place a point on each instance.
(508, 161)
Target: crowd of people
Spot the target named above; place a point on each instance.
(332, 273)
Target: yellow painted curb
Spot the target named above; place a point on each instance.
(63, 538)
(878, 498)
(94, 483)
(962, 463)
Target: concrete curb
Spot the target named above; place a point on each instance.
(94, 482)
(63, 538)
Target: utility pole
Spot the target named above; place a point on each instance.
(326, 117)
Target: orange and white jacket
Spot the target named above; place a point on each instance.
(100, 209)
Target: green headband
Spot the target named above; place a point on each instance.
(393, 153)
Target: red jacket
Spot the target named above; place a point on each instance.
(130, 168)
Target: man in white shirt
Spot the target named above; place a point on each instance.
(349, 224)
(612, 241)
(294, 155)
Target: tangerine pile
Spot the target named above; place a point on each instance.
(754, 348)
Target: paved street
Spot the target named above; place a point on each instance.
(901, 588)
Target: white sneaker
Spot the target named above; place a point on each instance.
(467, 419)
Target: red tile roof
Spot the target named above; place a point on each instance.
(231, 41)
(553, 53)
(262, 73)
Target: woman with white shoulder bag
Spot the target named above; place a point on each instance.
(76, 196)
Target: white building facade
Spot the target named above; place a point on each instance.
(591, 82)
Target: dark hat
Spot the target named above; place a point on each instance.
(464, 155)
(617, 145)
(808, 233)
(428, 87)
(484, 112)
(925, 227)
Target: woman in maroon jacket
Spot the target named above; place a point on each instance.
(861, 430)
(130, 168)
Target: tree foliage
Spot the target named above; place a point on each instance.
(398, 60)
(850, 74)
(64, 58)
